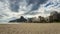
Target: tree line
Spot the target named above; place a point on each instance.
(54, 17)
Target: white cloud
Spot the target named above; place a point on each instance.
(4, 9)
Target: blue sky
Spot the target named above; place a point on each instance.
(13, 9)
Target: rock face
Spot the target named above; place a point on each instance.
(22, 19)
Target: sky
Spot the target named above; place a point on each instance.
(13, 9)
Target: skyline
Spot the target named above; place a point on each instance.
(12, 9)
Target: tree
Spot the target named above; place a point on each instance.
(30, 20)
(41, 19)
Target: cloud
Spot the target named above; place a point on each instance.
(53, 5)
(2, 0)
(36, 3)
(14, 5)
(11, 9)
(45, 8)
